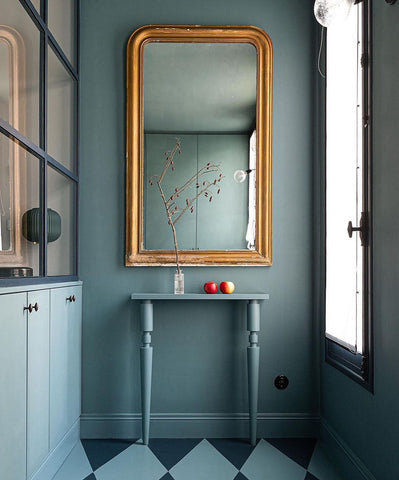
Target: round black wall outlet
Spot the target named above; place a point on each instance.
(281, 382)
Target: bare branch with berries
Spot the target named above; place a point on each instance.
(205, 182)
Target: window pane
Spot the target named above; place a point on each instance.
(61, 22)
(19, 78)
(20, 213)
(61, 247)
(5, 89)
(36, 4)
(343, 197)
(61, 112)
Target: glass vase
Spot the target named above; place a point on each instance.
(179, 283)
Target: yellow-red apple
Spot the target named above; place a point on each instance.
(227, 287)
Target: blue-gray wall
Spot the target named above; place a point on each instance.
(199, 359)
(367, 423)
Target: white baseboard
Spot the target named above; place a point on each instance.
(343, 455)
(199, 425)
(57, 457)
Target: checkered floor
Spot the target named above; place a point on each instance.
(198, 459)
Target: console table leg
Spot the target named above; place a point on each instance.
(146, 320)
(253, 326)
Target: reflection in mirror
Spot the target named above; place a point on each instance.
(5, 240)
(36, 4)
(19, 256)
(211, 88)
(22, 38)
(204, 94)
(61, 101)
(62, 24)
(11, 82)
(4, 81)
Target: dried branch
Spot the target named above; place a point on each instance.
(203, 187)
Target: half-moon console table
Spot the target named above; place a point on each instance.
(253, 326)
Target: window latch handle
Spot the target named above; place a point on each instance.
(363, 229)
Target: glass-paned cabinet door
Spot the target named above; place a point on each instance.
(62, 24)
(19, 70)
(20, 211)
(61, 203)
(61, 113)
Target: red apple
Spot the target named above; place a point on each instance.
(211, 287)
(227, 287)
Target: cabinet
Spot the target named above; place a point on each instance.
(13, 387)
(65, 369)
(24, 378)
(38, 380)
(40, 363)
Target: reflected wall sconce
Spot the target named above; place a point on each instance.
(31, 225)
(240, 175)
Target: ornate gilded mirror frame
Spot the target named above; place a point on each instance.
(136, 255)
(16, 70)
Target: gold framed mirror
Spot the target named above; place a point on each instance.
(204, 92)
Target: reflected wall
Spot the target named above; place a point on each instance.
(215, 222)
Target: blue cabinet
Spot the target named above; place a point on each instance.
(13, 387)
(40, 375)
(65, 361)
(38, 381)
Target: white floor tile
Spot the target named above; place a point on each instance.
(76, 466)
(204, 462)
(267, 462)
(136, 462)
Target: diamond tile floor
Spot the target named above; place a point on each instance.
(198, 459)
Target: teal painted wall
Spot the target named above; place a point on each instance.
(199, 359)
(369, 423)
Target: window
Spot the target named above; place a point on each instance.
(38, 141)
(347, 223)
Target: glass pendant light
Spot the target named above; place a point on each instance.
(330, 12)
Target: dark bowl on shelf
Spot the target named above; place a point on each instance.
(13, 272)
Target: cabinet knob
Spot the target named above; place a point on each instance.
(71, 298)
(31, 307)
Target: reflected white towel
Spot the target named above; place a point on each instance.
(251, 229)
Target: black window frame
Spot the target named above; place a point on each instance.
(47, 40)
(357, 366)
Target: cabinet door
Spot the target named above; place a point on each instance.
(65, 360)
(13, 386)
(38, 380)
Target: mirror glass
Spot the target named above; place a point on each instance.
(5, 234)
(204, 95)
(4, 82)
(19, 107)
(9, 154)
(198, 111)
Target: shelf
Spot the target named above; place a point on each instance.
(199, 296)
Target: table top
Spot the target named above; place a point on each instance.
(199, 296)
